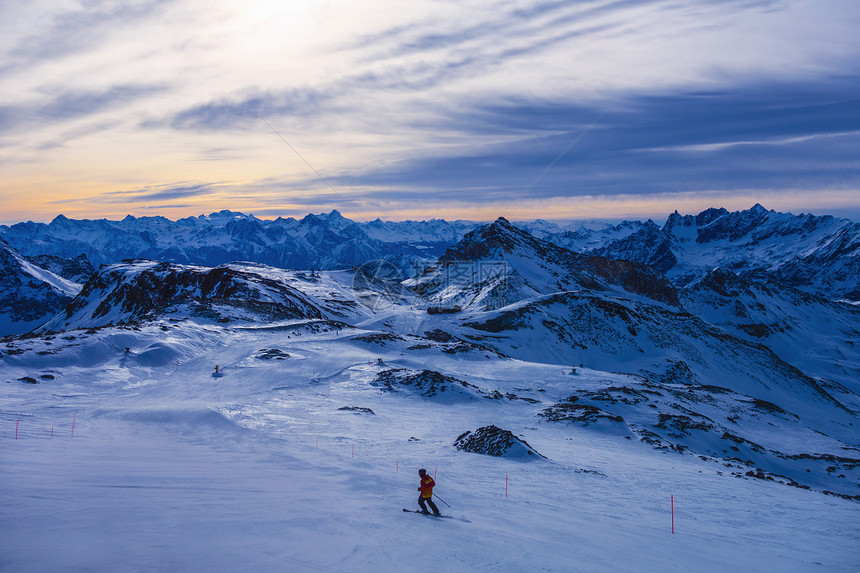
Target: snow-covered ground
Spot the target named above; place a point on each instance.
(172, 468)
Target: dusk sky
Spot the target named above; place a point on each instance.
(417, 109)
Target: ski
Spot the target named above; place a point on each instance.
(427, 514)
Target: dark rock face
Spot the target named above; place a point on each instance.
(494, 441)
(719, 224)
(635, 277)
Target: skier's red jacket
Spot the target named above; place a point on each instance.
(426, 487)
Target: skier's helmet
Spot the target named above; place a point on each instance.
(422, 472)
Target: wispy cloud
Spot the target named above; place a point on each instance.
(76, 28)
(72, 104)
(162, 193)
(148, 194)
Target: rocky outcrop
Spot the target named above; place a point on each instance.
(143, 290)
(494, 441)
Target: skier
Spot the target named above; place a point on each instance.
(216, 369)
(426, 489)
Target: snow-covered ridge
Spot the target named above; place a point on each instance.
(818, 254)
(135, 291)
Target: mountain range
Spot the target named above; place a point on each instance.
(723, 326)
(818, 254)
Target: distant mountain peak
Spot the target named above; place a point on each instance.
(225, 214)
(486, 241)
(709, 215)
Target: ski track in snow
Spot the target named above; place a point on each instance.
(172, 469)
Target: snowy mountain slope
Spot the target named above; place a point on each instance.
(305, 462)
(801, 328)
(29, 294)
(142, 290)
(499, 264)
(608, 330)
(77, 270)
(818, 254)
(554, 312)
(671, 347)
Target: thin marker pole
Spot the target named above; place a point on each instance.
(73, 424)
(52, 431)
(672, 501)
(353, 450)
(436, 469)
(398, 466)
(506, 486)
(16, 429)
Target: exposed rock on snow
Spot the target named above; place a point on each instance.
(357, 410)
(272, 354)
(570, 411)
(427, 383)
(494, 441)
(380, 338)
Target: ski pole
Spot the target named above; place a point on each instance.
(440, 499)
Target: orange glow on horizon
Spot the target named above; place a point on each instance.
(83, 203)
